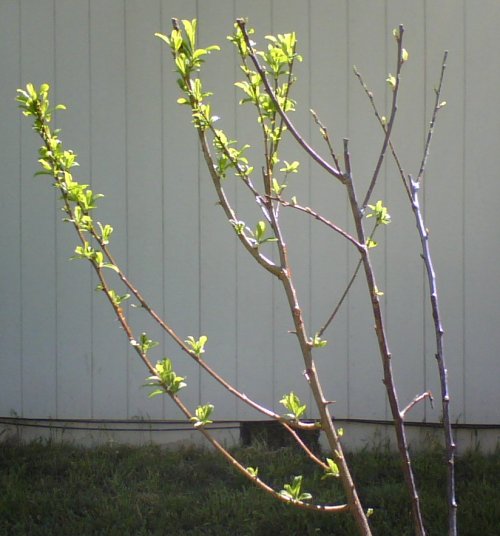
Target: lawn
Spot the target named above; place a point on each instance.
(59, 489)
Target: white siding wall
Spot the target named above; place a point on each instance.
(62, 353)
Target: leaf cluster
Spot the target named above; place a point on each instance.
(165, 380)
(56, 161)
(197, 346)
(293, 492)
(293, 404)
(188, 60)
(202, 415)
(380, 213)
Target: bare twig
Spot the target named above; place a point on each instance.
(342, 299)
(325, 221)
(437, 106)
(388, 130)
(416, 400)
(382, 123)
(325, 135)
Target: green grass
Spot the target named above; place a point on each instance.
(54, 489)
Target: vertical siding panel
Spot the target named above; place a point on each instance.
(38, 267)
(10, 199)
(103, 61)
(291, 16)
(144, 186)
(404, 288)
(482, 191)
(444, 190)
(217, 240)
(108, 164)
(181, 263)
(73, 285)
(255, 286)
(328, 65)
(366, 26)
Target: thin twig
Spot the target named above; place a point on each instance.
(388, 130)
(437, 106)
(416, 400)
(325, 221)
(325, 135)
(382, 123)
(342, 299)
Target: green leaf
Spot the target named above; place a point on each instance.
(391, 81)
(146, 344)
(106, 231)
(260, 230)
(380, 213)
(115, 298)
(260, 234)
(197, 346)
(292, 403)
(332, 471)
(253, 471)
(239, 226)
(293, 492)
(377, 292)
(277, 188)
(165, 380)
(190, 29)
(290, 168)
(318, 342)
(202, 415)
(156, 392)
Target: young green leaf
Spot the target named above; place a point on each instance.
(239, 226)
(115, 298)
(290, 168)
(293, 492)
(292, 403)
(197, 346)
(379, 212)
(253, 471)
(377, 292)
(391, 81)
(165, 380)
(277, 188)
(145, 343)
(106, 231)
(202, 415)
(332, 471)
(260, 234)
(318, 342)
